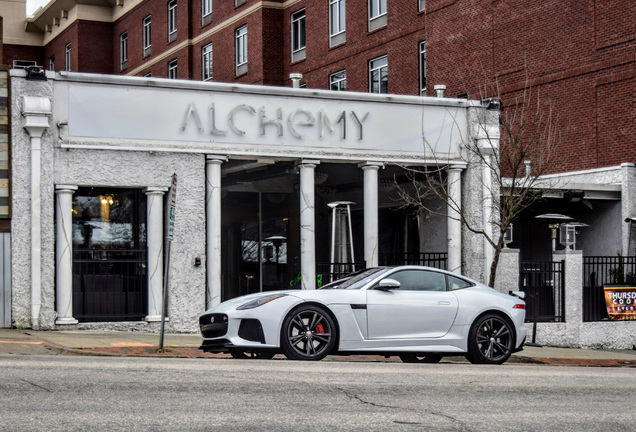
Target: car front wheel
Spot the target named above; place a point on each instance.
(490, 340)
(308, 333)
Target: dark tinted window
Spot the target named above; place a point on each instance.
(420, 280)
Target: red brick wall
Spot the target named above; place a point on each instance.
(579, 57)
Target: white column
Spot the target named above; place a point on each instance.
(36, 112)
(370, 170)
(154, 239)
(454, 226)
(64, 254)
(307, 225)
(213, 228)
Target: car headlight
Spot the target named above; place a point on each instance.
(260, 301)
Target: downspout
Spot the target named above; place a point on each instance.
(36, 112)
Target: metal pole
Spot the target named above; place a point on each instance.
(164, 303)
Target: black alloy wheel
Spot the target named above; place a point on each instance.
(243, 355)
(421, 358)
(308, 333)
(490, 340)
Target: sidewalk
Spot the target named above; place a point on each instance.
(186, 346)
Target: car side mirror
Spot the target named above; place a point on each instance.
(388, 284)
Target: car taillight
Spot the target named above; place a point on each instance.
(519, 306)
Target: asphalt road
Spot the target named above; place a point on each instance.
(39, 393)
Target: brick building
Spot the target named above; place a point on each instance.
(577, 57)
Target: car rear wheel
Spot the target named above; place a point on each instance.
(490, 340)
(263, 355)
(421, 358)
(308, 333)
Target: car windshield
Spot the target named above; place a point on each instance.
(356, 280)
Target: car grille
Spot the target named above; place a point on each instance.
(213, 325)
(251, 330)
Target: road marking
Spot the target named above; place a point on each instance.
(130, 344)
(23, 342)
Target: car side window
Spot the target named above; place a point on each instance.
(455, 283)
(420, 280)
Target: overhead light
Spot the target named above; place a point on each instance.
(35, 73)
(493, 104)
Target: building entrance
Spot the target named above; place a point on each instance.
(110, 281)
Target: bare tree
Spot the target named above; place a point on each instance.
(514, 156)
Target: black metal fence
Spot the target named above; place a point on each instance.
(544, 285)
(329, 272)
(431, 259)
(599, 271)
(110, 285)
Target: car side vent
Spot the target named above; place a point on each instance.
(251, 330)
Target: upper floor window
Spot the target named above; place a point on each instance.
(377, 14)
(123, 50)
(146, 40)
(172, 20)
(52, 63)
(337, 21)
(379, 75)
(421, 4)
(172, 69)
(206, 11)
(67, 57)
(239, 2)
(206, 60)
(241, 50)
(338, 81)
(298, 35)
(423, 68)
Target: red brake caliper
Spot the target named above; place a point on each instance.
(319, 328)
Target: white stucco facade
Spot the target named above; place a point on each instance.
(134, 134)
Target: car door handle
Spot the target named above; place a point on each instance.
(445, 303)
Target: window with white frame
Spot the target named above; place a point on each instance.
(67, 57)
(377, 14)
(379, 75)
(422, 4)
(146, 39)
(52, 63)
(172, 69)
(123, 50)
(337, 22)
(172, 20)
(338, 81)
(298, 35)
(241, 50)
(206, 62)
(206, 11)
(423, 68)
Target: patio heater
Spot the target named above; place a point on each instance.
(341, 235)
(554, 221)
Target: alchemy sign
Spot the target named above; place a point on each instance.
(297, 121)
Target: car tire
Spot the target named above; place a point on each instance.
(491, 340)
(308, 333)
(262, 355)
(421, 358)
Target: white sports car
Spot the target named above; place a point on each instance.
(417, 313)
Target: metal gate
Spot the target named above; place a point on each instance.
(110, 285)
(5, 280)
(544, 285)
